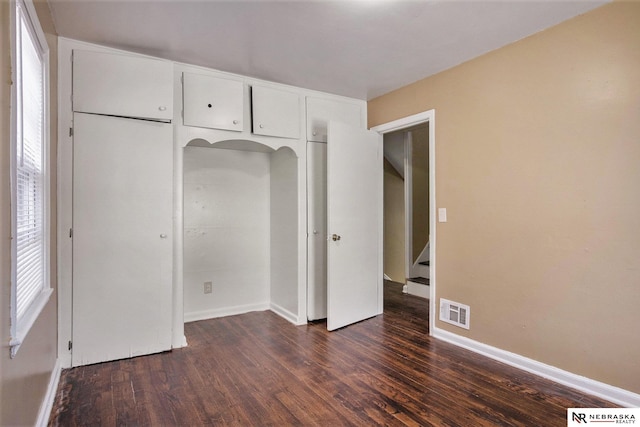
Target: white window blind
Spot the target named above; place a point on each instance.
(30, 287)
(29, 174)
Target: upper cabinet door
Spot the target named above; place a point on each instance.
(275, 112)
(320, 111)
(122, 85)
(212, 102)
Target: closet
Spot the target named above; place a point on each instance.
(122, 207)
(321, 111)
(241, 197)
(188, 193)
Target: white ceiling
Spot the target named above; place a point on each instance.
(360, 49)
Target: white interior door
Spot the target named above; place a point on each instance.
(122, 243)
(354, 225)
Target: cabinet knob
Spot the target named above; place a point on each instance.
(314, 133)
(163, 236)
(162, 108)
(261, 126)
(235, 122)
(335, 237)
(209, 105)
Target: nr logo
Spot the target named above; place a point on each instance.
(578, 417)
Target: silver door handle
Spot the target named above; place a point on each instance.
(335, 237)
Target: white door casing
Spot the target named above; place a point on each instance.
(122, 242)
(406, 123)
(354, 218)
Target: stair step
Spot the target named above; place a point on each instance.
(425, 262)
(422, 280)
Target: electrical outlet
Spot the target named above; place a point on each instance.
(208, 287)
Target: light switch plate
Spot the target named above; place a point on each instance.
(442, 214)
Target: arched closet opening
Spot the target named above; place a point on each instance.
(240, 234)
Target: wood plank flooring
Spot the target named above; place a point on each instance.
(257, 369)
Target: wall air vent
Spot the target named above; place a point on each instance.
(455, 313)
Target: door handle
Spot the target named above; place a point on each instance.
(335, 237)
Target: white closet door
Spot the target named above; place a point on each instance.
(122, 243)
(354, 213)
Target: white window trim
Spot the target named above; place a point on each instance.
(19, 330)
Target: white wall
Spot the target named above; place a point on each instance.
(284, 233)
(226, 231)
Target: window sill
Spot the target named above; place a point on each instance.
(27, 321)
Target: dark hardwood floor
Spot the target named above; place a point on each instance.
(257, 369)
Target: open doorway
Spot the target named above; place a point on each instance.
(409, 204)
(406, 208)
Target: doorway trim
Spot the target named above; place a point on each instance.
(404, 123)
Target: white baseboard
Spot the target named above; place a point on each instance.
(50, 396)
(286, 314)
(417, 289)
(605, 391)
(222, 312)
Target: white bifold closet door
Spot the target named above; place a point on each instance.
(354, 225)
(122, 242)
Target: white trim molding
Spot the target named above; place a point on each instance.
(596, 388)
(47, 403)
(194, 316)
(286, 314)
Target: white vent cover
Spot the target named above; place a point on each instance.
(454, 313)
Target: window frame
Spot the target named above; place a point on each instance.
(24, 11)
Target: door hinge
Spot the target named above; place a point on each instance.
(70, 345)
(70, 232)
(70, 131)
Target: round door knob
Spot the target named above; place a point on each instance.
(335, 237)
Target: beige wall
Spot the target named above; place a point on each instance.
(394, 241)
(538, 165)
(24, 379)
(420, 189)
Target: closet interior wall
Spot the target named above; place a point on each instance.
(240, 231)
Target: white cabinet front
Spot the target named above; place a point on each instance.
(213, 102)
(275, 112)
(122, 85)
(320, 111)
